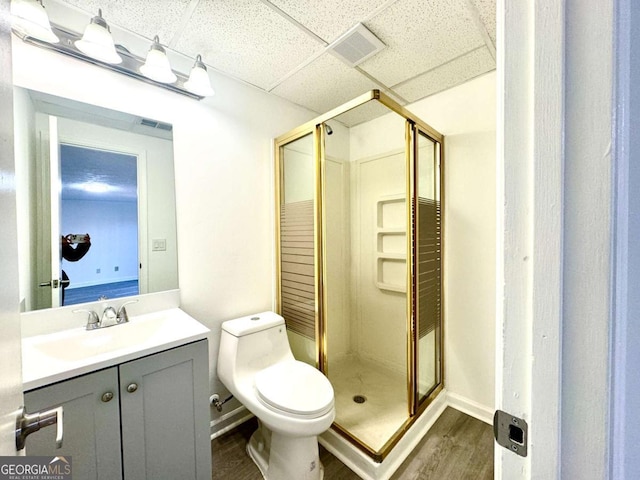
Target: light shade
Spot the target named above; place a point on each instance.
(199, 82)
(97, 41)
(157, 67)
(31, 19)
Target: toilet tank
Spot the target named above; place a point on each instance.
(251, 343)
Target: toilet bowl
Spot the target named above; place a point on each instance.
(293, 401)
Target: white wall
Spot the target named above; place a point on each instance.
(25, 148)
(224, 177)
(466, 115)
(107, 223)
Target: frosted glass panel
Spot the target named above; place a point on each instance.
(428, 266)
(297, 266)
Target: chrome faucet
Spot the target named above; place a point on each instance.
(93, 321)
(109, 313)
(121, 316)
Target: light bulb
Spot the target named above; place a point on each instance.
(199, 82)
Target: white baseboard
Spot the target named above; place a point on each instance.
(470, 407)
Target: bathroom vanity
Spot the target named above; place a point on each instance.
(137, 408)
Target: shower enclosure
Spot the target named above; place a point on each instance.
(359, 262)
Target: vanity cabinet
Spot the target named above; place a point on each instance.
(144, 419)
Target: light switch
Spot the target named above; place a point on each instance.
(159, 244)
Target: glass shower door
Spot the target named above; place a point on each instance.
(365, 273)
(428, 264)
(297, 269)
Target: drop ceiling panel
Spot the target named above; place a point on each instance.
(363, 113)
(448, 75)
(246, 39)
(420, 35)
(487, 11)
(142, 17)
(324, 84)
(328, 18)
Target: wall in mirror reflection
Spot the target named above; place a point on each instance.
(84, 169)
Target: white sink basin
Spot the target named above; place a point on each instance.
(79, 343)
(61, 355)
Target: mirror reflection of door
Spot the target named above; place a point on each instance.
(103, 205)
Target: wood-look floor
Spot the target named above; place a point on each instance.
(458, 447)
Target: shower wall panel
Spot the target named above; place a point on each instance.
(381, 326)
(337, 258)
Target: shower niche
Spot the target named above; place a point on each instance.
(359, 262)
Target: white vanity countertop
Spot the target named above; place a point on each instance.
(62, 355)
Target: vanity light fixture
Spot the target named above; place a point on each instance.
(157, 67)
(199, 82)
(97, 41)
(96, 46)
(30, 18)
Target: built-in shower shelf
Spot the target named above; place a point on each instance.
(391, 243)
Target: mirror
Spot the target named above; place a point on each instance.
(96, 202)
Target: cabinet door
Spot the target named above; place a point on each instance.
(165, 415)
(91, 424)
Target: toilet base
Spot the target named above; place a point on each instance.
(280, 457)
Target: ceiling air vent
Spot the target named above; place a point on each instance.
(356, 45)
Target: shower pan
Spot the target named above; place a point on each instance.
(359, 262)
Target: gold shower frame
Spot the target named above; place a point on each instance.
(413, 127)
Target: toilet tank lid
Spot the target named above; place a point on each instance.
(252, 323)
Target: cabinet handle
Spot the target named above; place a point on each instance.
(107, 397)
(132, 387)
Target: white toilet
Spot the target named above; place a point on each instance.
(293, 401)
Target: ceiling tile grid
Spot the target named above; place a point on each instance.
(281, 45)
(329, 18)
(487, 11)
(363, 113)
(324, 84)
(140, 16)
(420, 35)
(446, 76)
(247, 39)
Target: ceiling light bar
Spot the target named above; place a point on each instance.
(95, 50)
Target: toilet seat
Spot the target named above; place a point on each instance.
(295, 387)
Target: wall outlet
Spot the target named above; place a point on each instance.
(97, 270)
(116, 268)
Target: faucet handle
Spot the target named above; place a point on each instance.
(93, 321)
(122, 316)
